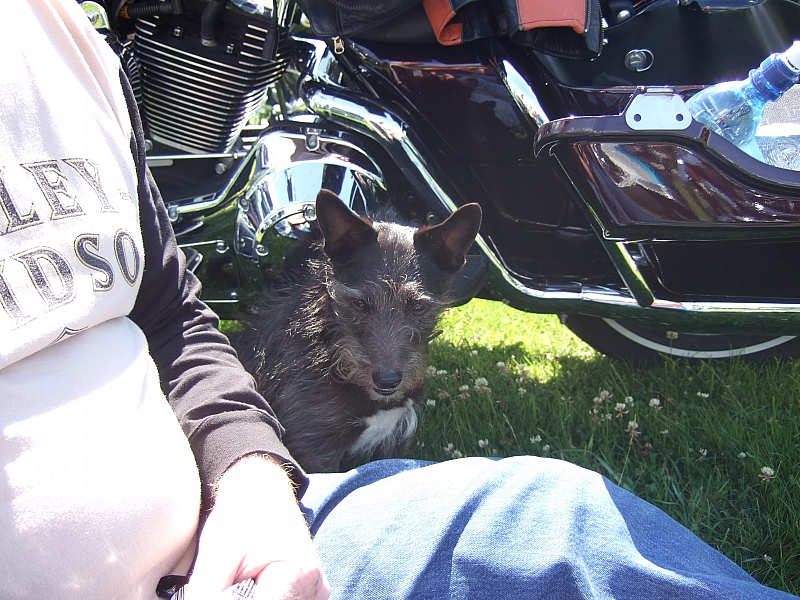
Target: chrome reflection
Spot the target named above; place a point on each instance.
(287, 174)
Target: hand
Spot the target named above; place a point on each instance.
(256, 531)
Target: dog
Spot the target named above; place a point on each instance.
(339, 348)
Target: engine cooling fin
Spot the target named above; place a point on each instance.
(197, 97)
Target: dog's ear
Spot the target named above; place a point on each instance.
(344, 231)
(448, 242)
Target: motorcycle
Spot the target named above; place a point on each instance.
(604, 201)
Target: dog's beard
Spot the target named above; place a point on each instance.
(351, 365)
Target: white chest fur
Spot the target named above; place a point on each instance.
(390, 426)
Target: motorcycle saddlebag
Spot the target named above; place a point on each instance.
(699, 217)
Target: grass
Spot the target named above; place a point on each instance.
(693, 439)
(532, 387)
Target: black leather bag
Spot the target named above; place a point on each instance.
(331, 18)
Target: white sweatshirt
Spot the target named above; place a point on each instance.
(99, 491)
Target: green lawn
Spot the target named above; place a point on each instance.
(717, 446)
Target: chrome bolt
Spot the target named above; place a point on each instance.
(221, 247)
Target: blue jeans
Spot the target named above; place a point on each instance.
(522, 527)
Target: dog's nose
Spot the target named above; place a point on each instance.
(387, 379)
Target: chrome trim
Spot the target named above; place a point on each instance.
(522, 93)
(322, 62)
(285, 179)
(219, 155)
(367, 117)
(627, 269)
(276, 216)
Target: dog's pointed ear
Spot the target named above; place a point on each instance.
(448, 242)
(344, 231)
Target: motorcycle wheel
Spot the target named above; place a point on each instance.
(647, 345)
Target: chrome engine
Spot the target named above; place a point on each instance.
(204, 71)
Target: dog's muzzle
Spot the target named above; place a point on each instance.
(387, 381)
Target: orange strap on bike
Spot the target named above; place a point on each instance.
(457, 21)
(533, 14)
(440, 14)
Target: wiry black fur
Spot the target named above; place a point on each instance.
(326, 346)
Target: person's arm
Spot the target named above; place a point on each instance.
(212, 395)
(254, 528)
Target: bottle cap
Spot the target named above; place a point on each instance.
(792, 57)
(776, 74)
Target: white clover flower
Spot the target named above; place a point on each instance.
(457, 454)
(672, 335)
(742, 455)
(474, 353)
(463, 388)
(501, 365)
(430, 371)
(443, 395)
(608, 416)
(702, 395)
(480, 381)
(483, 443)
(629, 400)
(620, 408)
(536, 439)
(664, 431)
(441, 372)
(449, 448)
(605, 395)
(521, 391)
(703, 452)
(546, 447)
(767, 474)
(430, 402)
(655, 403)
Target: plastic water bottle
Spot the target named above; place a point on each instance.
(780, 144)
(733, 109)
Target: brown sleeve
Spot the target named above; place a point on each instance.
(212, 395)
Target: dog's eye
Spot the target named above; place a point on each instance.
(418, 308)
(359, 305)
